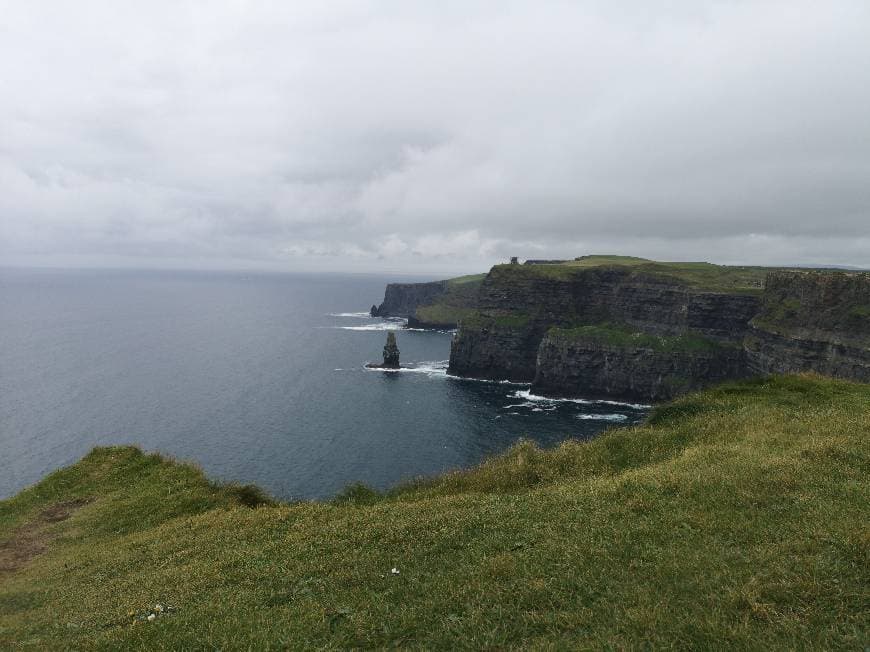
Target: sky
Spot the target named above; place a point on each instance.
(432, 137)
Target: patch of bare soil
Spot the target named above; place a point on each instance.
(32, 538)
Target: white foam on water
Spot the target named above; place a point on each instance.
(429, 368)
(486, 380)
(602, 417)
(536, 407)
(527, 395)
(356, 315)
(381, 326)
(389, 324)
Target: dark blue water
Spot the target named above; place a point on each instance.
(255, 377)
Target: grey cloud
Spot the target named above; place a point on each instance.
(436, 136)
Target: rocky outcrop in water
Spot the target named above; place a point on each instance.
(391, 355)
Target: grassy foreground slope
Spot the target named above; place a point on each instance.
(735, 517)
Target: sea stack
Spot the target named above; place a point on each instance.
(391, 352)
(391, 355)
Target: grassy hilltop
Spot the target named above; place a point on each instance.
(459, 303)
(735, 517)
(699, 275)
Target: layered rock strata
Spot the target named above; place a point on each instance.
(516, 310)
(517, 330)
(403, 299)
(812, 321)
(571, 364)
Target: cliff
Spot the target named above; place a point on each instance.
(439, 304)
(518, 305)
(402, 299)
(671, 327)
(813, 321)
(602, 362)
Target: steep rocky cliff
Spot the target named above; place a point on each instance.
(496, 347)
(439, 304)
(402, 299)
(631, 328)
(813, 321)
(603, 363)
(518, 305)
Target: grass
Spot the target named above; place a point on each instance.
(466, 280)
(492, 318)
(734, 518)
(698, 275)
(443, 313)
(625, 336)
(454, 305)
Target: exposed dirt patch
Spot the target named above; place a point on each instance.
(32, 538)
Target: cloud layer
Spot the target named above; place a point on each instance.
(392, 135)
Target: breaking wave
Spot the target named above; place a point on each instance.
(528, 396)
(486, 380)
(429, 368)
(382, 326)
(602, 417)
(357, 315)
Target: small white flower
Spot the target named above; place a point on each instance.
(395, 571)
(151, 617)
(158, 607)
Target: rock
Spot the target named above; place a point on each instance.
(391, 355)
(798, 321)
(575, 365)
(402, 299)
(518, 308)
(812, 321)
(374, 311)
(802, 321)
(391, 352)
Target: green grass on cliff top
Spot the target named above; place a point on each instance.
(735, 518)
(464, 280)
(625, 336)
(703, 276)
(454, 305)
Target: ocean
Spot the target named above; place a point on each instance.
(255, 377)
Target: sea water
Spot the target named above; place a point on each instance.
(255, 377)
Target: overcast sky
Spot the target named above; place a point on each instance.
(433, 136)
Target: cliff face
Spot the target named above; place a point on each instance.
(813, 321)
(490, 348)
(517, 309)
(663, 329)
(652, 303)
(402, 299)
(576, 365)
(773, 353)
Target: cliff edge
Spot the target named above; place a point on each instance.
(620, 327)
